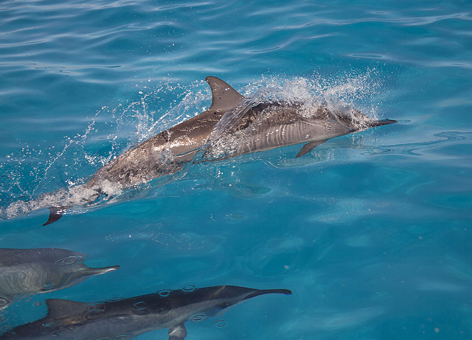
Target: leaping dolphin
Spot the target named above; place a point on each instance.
(43, 270)
(232, 126)
(128, 318)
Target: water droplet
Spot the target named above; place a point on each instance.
(94, 315)
(199, 317)
(220, 323)
(141, 305)
(95, 311)
(164, 292)
(189, 288)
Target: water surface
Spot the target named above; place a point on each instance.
(372, 232)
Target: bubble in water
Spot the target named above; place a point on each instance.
(141, 305)
(199, 317)
(220, 323)
(68, 260)
(189, 289)
(95, 311)
(164, 292)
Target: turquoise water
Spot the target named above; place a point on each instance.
(371, 232)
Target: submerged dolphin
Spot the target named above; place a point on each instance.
(32, 271)
(232, 126)
(128, 318)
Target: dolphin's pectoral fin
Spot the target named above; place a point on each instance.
(224, 97)
(178, 332)
(55, 213)
(309, 146)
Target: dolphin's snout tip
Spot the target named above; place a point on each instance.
(112, 268)
(382, 122)
(104, 270)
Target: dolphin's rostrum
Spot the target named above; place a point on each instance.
(42, 270)
(232, 126)
(128, 318)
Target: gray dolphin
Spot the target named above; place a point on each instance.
(232, 126)
(32, 271)
(128, 318)
(254, 127)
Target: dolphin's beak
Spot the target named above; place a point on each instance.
(267, 291)
(82, 275)
(376, 123)
(99, 271)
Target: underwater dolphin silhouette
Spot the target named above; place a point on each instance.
(253, 126)
(128, 318)
(43, 270)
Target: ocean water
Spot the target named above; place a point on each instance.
(372, 231)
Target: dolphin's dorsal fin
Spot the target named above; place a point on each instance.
(224, 97)
(178, 332)
(59, 308)
(309, 146)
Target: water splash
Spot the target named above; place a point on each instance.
(31, 174)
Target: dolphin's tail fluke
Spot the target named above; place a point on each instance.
(55, 213)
